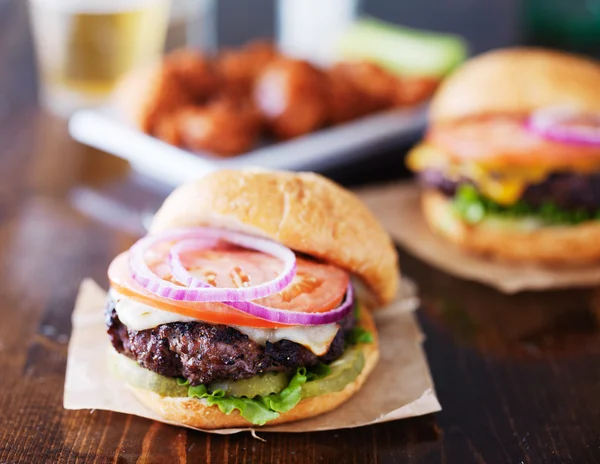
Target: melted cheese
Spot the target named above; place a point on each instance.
(138, 316)
(316, 338)
(504, 185)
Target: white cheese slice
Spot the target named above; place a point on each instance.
(316, 338)
(138, 316)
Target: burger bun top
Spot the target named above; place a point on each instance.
(304, 211)
(517, 81)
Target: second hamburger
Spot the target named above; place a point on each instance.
(511, 162)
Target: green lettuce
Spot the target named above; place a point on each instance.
(251, 409)
(356, 310)
(359, 335)
(474, 208)
(317, 372)
(290, 396)
(260, 409)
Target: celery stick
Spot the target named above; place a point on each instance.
(402, 50)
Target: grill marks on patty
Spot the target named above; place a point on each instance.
(569, 191)
(204, 353)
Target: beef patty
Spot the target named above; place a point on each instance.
(569, 191)
(203, 353)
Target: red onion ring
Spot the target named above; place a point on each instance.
(549, 123)
(146, 278)
(296, 317)
(182, 275)
(264, 312)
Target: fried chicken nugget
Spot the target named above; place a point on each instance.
(222, 127)
(291, 95)
(239, 68)
(377, 86)
(195, 72)
(346, 101)
(147, 94)
(413, 90)
(167, 128)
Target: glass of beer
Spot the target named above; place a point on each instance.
(83, 47)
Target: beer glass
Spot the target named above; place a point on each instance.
(83, 47)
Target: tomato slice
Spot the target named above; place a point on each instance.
(317, 287)
(499, 140)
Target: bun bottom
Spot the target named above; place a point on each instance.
(554, 245)
(195, 413)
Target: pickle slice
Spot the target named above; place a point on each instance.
(137, 376)
(263, 385)
(343, 371)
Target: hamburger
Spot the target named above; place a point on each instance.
(510, 165)
(248, 303)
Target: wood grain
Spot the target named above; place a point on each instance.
(518, 377)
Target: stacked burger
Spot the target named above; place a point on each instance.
(510, 165)
(238, 308)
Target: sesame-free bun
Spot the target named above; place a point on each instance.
(551, 245)
(304, 211)
(517, 81)
(196, 413)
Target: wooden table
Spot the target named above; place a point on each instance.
(518, 377)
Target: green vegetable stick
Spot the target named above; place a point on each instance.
(401, 50)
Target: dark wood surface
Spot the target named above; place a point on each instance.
(518, 377)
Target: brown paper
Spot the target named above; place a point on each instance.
(400, 386)
(397, 207)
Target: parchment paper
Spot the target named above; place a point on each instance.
(397, 207)
(399, 387)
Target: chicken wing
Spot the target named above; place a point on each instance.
(291, 95)
(222, 127)
(239, 68)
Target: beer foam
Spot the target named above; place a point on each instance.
(96, 6)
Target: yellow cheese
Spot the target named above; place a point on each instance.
(503, 184)
(425, 156)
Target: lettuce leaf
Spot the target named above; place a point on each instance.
(359, 335)
(474, 208)
(260, 409)
(290, 396)
(317, 372)
(253, 410)
(356, 310)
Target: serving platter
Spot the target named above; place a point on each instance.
(103, 129)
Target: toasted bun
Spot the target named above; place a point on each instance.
(196, 413)
(304, 211)
(558, 245)
(518, 80)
